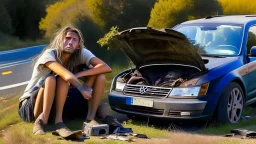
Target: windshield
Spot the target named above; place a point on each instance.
(224, 40)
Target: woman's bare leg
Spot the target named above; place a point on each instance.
(61, 95)
(38, 109)
(102, 111)
(97, 83)
(45, 98)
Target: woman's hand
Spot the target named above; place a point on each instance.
(86, 92)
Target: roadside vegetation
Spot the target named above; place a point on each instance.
(10, 42)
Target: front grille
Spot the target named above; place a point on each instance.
(141, 109)
(174, 113)
(146, 91)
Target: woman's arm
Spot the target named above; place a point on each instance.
(99, 67)
(68, 76)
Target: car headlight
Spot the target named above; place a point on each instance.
(120, 86)
(190, 91)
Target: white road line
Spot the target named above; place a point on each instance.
(13, 85)
(1, 67)
(21, 49)
(12, 63)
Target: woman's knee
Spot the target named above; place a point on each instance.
(61, 81)
(101, 77)
(50, 80)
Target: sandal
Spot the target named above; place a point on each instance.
(92, 122)
(38, 128)
(62, 130)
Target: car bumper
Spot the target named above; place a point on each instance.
(167, 108)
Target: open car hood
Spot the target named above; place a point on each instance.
(145, 46)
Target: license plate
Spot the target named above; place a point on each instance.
(140, 102)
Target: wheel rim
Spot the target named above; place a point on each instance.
(235, 105)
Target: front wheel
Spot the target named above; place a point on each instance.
(231, 104)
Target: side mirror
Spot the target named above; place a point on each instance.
(253, 51)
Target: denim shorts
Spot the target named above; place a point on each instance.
(26, 109)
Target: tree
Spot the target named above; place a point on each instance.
(238, 6)
(6, 21)
(204, 8)
(62, 13)
(135, 13)
(21, 17)
(122, 13)
(168, 13)
(105, 12)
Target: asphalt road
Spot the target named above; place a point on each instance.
(16, 69)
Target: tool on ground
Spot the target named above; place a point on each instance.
(72, 135)
(95, 130)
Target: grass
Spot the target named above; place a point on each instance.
(8, 112)
(16, 131)
(217, 129)
(10, 42)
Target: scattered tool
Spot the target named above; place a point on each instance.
(95, 130)
(73, 135)
(243, 133)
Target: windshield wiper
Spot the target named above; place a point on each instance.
(216, 56)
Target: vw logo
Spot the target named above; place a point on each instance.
(143, 89)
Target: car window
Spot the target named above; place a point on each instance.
(214, 39)
(251, 40)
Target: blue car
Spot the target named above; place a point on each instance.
(199, 70)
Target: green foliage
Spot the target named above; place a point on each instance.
(25, 16)
(204, 8)
(123, 13)
(6, 21)
(10, 42)
(104, 12)
(20, 18)
(168, 13)
(238, 6)
(135, 13)
(108, 37)
(62, 13)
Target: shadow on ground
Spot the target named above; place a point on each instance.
(188, 126)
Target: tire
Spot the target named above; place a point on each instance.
(231, 104)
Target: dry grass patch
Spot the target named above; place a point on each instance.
(9, 112)
(188, 138)
(21, 133)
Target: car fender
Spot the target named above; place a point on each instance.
(219, 84)
(234, 76)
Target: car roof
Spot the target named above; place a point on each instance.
(222, 19)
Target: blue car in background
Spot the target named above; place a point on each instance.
(200, 69)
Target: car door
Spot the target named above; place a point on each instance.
(251, 41)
